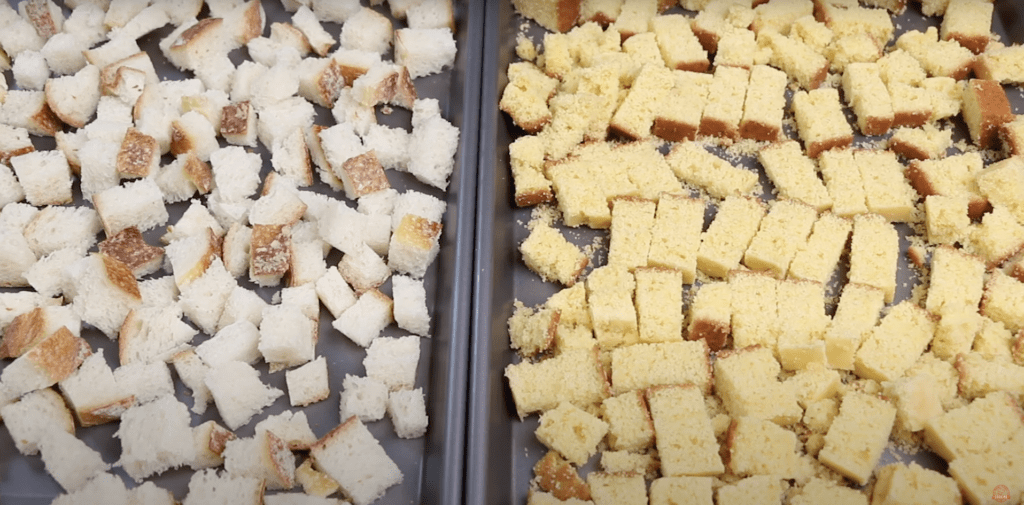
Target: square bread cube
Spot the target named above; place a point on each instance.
(747, 381)
(414, 245)
(410, 308)
(363, 397)
(139, 204)
(355, 459)
(624, 489)
(574, 375)
(548, 253)
(761, 447)
(238, 392)
(630, 427)
(393, 361)
(408, 412)
(364, 320)
(287, 336)
(641, 366)
(45, 177)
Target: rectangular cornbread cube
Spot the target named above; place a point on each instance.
(856, 314)
(1001, 63)
(678, 120)
(984, 424)
(679, 46)
(754, 490)
(815, 383)
(812, 32)
(580, 197)
(675, 490)
(951, 176)
(526, 157)
(898, 65)
(980, 376)
(548, 253)
(625, 489)
(946, 219)
(559, 477)
(635, 17)
(917, 400)
(754, 309)
(975, 473)
(857, 437)
(848, 49)
(525, 98)
(574, 376)
(630, 427)
(924, 143)
(817, 258)
(659, 304)
(851, 19)
(866, 93)
(968, 22)
(801, 339)
(571, 431)
(738, 48)
(985, 108)
(820, 120)
(747, 381)
(711, 314)
(946, 96)
(682, 432)
(723, 244)
(643, 48)
(999, 236)
(675, 236)
(844, 182)
(574, 329)
(724, 109)
(1003, 300)
(943, 58)
(761, 447)
(874, 249)
(698, 167)
(610, 299)
(632, 220)
(899, 483)
(636, 113)
(957, 281)
(896, 343)
(800, 61)
(764, 104)
(793, 174)
(1002, 183)
(643, 366)
(781, 232)
(911, 104)
(886, 189)
(715, 19)
(647, 169)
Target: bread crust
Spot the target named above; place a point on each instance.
(557, 476)
(364, 174)
(199, 172)
(139, 154)
(130, 248)
(23, 333)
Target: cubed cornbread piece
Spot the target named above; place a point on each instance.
(951, 176)
(602, 12)
(985, 109)
(924, 143)
(867, 95)
(1001, 63)
(814, 384)
(585, 183)
(946, 219)
(874, 250)
(764, 104)
(858, 435)
(555, 15)
(779, 16)
(1003, 300)
(698, 167)
(846, 50)
(682, 431)
(675, 235)
(917, 398)
(678, 120)
(755, 490)
(635, 115)
(572, 432)
(642, 366)
(571, 304)
(846, 20)
(1003, 184)
(632, 221)
(944, 58)
(956, 332)
(646, 169)
(977, 428)
(999, 236)
(572, 115)
(824, 491)
(976, 473)
(820, 120)
(526, 156)
(781, 232)
(747, 381)
(548, 253)
(729, 235)
(801, 339)
(711, 314)
(679, 46)
(945, 95)
(630, 427)
(843, 181)
(895, 344)
(761, 447)
(811, 32)
(899, 483)
(957, 282)
(525, 97)
(716, 18)
(794, 175)
(532, 331)
(645, 464)
(738, 48)
(754, 309)
(886, 189)
(618, 488)
(968, 22)
(818, 256)
(993, 341)
(980, 376)
(659, 304)
(676, 490)
(610, 299)
(898, 66)
(557, 476)
(573, 376)
(724, 110)
(635, 17)
(800, 61)
(856, 314)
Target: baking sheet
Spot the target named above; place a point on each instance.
(432, 465)
(501, 449)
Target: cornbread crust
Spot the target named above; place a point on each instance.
(724, 110)
(679, 120)
(985, 109)
(968, 22)
(794, 174)
(764, 104)
(557, 476)
(820, 121)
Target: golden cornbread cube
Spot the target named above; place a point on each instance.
(946, 96)
(723, 243)
(1003, 184)
(679, 46)
(572, 432)
(717, 17)
(549, 254)
(814, 383)
(755, 490)
(945, 58)
(682, 430)
(739, 48)
(819, 491)
(675, 236)
(818, 416)
(924, 143)
(846, 50)
(779, 16)
(952, 176)
(679, 120)
(899, 66)
(612, 175)
(793, 174)
(571, 305)
(747, 382)
(574, 376)
(844, 183)
(911, 104)
(980, 376)
(852, 19)
(724, 110)
(985, 108)
(557, 16)
(659, 304)
(801, 339)
(976, 473)
(781, 232)
(817, 258)
(994, 341)
(610, 299)
(676, 490)
(636, 113)
(917, 399)
(754, 309)
(943, 375)
(701, 169)
(968, 22)
(955, 333)
(764, 104)
(866, 93)
(532, 331)
(643, 48)
(946, 219)
(525, 97)
(856, 314)
(632, 220)
(526, 157)
(1001, 63)
(572, 115)
(820, 121)
(711, 315)
(629, 422)
(812, 32)
(588, 41)
(600, 83)
(645, 464)
(977, 428)
(624, 489)
(998, 238)
(635, 17)
(898, 484)
(886, 189)
(581, 199)
(647, 169)
(557, 476)
(558, 60)
(761, 447)
(957, 281)
(642, 366)
(858, 435)
(874, 249)
(798, 59)
(896, 343)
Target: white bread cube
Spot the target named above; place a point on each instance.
(264, 456)
(45, 177)
(73, 98)
(155, 437)
(238, 124)
(44, 15)
(158, 291)
(192, 372)
(410, 309)
(269, 253)
(63, 53)
(408, 412)
(378, 203)
(245, 22)
(363, 269)
(291, 427)
(367, 30)
(228, 210)
(238, 392)
(431, 14)
(203, 299)
(111, 51)
(334, 292)
(308, 383)
(236, 173)
(18, 36)
(348, 110)
(334, 11)
(174, 180)
(236, 247)
(414, 245)
(340, 143)
(192, 132)
(28, 109)
(209, 103)
(30, 70)
(210, 439)
(16, 303)
(145, 21)
(105, 292)
(306, 21)
(54, 228)
(391, 145)
(145, 381)
(29, 419)
(277, 120)
(13, 141)
(432, 148)
(393, 361)
(237, 341)
(280, 203)
(153, 334)
(364, 320)
(139, 204)
(93, 394)
(242, 305)
(287, 337)
(139, 154)
(17, 258)
(86, 22)
(287, 35)
(385, 83)
(279, 82)
(353, 457)
(129, 246)
(364, 398)
(424, 51)
(120, 12)
(28, 329)
(188, 258)
(290, 158)
(245, 78)
(196, 220)
(320, 80)
(18, 215)
(98, 165)
(208, 486)
(307, 261)
(55, 358)
(70, 461)
(354, 63)
(303, 298)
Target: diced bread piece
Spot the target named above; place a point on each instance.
(155, 436)
(676, 120)
(884, 357)
(45, 177)
(873, 253)
(710, 315)
(136, 204)
(683, 432)
(209, 486)
(93, 394)
(526, 95)
(999, 237)
(408, 412)
(573, 376)
(953, 176)
(424, 51)
(945, 58)
(264, 456)
(308, 383)
(675, 234)
(761, 447)
(363, 321)
(203, 299)
(69, 460)
(29, 419)
(73, 99)
(922, 143)
(956, 283)
(238, 124)
(129, 247)
(1003, 300)
(353, 457)
(764, 104)
(642, 366)
(555, 15)
(760, 489)
(238, 392)
(968, 22)
(866, 93)
(724, 110)
(1001, 63)
(1000, 181)
(153, 334)
(105, 291)
(747, 381)
(798, 59)
(887, 191)
(572, 432)
(51, 360)
(784, 228)
(635, 115)
(14, 141)
(696, 166)
(951, 435)
(793, 174)
(29, 328)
